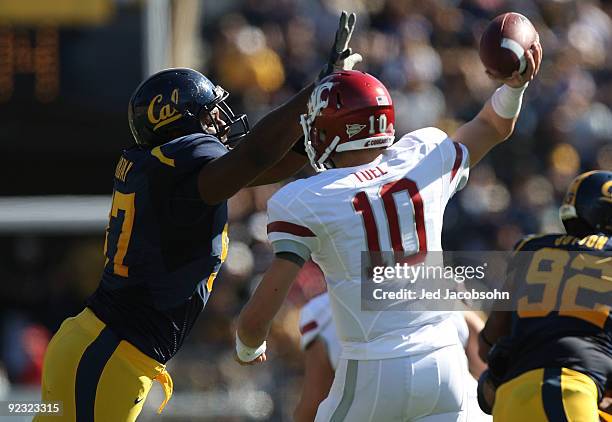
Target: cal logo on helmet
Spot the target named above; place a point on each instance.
(167, 112)
(606, 191)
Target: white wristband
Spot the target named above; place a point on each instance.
(507, 101)
(246, 353)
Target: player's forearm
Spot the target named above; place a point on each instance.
(256, 318)
(502, 110)
(475, 326)
(501, 127)
(289, 165)
(252, 328)
(498, 325)
(493, 124)
(275, 133)
(265, 145)
(479, 136)
(304, 412)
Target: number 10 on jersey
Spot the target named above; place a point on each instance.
(362, 205)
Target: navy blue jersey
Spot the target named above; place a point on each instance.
(164, 246)
(563, 312)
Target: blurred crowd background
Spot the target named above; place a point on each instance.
(66, 140)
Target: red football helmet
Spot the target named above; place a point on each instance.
(347, 110)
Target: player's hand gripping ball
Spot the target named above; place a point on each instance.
(507, 45)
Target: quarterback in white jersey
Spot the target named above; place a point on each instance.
(375, 195)
(334, 216)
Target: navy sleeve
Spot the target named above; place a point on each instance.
(189, 153)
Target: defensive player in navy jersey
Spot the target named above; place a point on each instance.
(167, 236)
(552, 358)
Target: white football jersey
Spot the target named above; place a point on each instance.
(395, 203)
(316, 323)
(463, 332)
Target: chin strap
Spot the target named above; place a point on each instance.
(330, 148)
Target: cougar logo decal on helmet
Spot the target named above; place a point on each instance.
(348, 110)
(316, 102)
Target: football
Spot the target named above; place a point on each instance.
(504, 42)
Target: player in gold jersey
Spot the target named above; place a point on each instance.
(551, 358)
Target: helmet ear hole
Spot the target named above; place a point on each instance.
(323, 135)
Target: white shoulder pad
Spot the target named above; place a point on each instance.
(428, 135)
(290, 191)
(314, 317)
(290, 224)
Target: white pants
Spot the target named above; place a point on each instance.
(428, 387)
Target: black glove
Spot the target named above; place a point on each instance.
(486, 392)
(499, 362)
(499, 358)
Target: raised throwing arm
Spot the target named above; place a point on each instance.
(495, 122)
